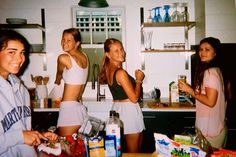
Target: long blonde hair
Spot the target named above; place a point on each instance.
(106, 60)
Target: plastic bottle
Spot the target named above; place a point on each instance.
(113, 129)
(119, 139)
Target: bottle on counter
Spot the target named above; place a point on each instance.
(121, 126)
(173, 93)
(113, 128)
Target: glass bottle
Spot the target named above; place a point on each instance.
(184, 14)
(113, 128)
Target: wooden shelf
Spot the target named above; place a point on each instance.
(21, 26)
(189, 25)
(158, 50)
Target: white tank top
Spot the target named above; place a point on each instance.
(76, 74)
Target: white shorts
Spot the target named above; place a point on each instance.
(71, 113)
(219, 141)
(131, 115)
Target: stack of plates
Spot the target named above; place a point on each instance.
(16, 21)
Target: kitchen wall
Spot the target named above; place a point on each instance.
(160, 69)
(216, 18)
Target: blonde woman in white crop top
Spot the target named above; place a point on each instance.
(72, 67)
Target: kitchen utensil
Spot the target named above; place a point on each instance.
(42, 91)
(45, 80)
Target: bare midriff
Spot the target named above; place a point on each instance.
(72, 92)
(124, 100)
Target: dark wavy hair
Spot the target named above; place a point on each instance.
(203, 66)
(8, 35)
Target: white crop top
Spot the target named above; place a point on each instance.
(76, 74)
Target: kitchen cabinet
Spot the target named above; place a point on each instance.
(170, 48)
(41, 121)
(231, 125)
(168, 123)
(43, 118)
(36, 48)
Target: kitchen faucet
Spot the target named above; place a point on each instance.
(95, 77)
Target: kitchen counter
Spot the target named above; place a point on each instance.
(152, 106)
(146, 106)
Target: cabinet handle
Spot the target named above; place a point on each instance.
(189, 117)
(150, 117)
(189, 127)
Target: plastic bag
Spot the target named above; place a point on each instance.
(91, 126)
(202, 142)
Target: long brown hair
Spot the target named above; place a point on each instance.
(107, 46)
(203, 66)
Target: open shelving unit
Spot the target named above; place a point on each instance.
(30, 26)
(186, 25)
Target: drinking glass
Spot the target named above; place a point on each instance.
(159, 18)
(149, 19)
(167, 17)
(175, 17)
(154, 19)
(182, 78)
(147, 39)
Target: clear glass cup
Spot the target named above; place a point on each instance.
(147, 39)
(175, 17)
(149, 18)
(182, 78)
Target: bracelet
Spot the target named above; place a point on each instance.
(139, 81)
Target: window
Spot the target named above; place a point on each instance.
(96, 25)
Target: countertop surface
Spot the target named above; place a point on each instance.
(152, 106)
(146, 106)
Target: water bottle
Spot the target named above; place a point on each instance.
(113, 129)
(119, 139)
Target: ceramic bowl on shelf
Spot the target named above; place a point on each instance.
(16, 21)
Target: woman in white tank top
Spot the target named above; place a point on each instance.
(72, 67)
